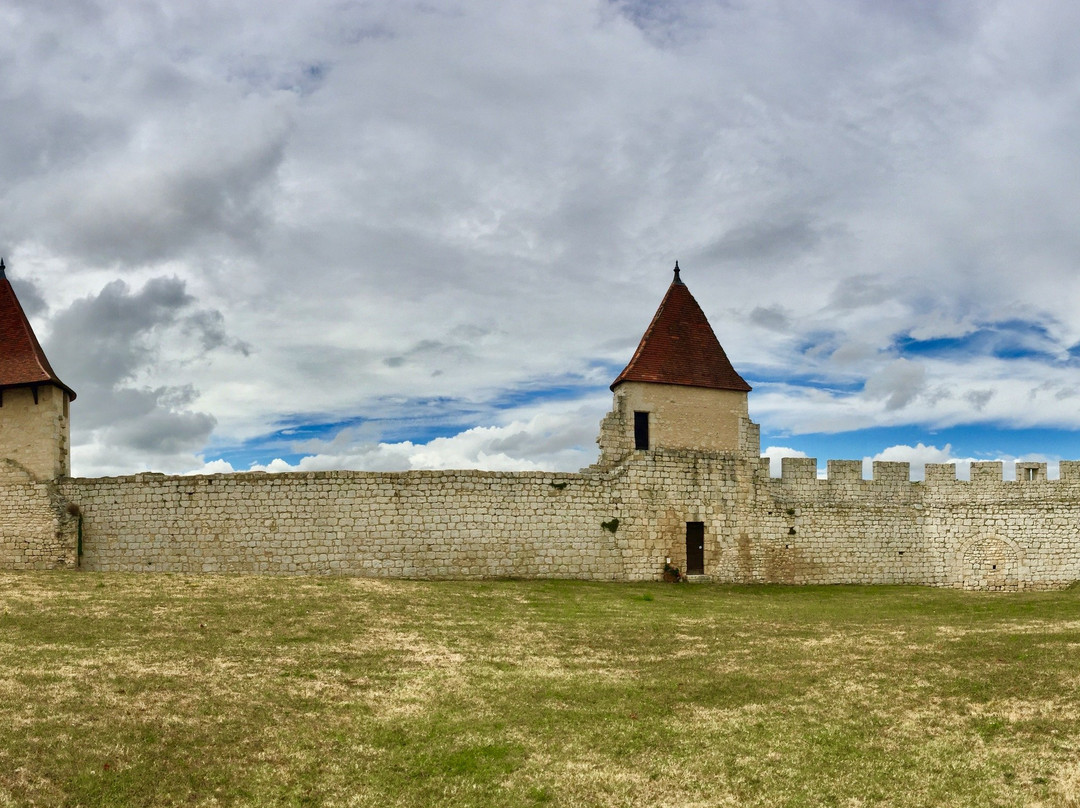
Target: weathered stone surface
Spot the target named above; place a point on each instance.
(621, 519)
(37, 528)
(34, 430)
(796, 529)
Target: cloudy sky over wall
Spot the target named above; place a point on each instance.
(429, 234)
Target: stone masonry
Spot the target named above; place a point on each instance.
(617, 523)
(679, 480)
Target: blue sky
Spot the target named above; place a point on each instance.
(391, 235)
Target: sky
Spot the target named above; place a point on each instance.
(262, 235)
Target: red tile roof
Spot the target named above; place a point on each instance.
(22, 362)
(679, 347)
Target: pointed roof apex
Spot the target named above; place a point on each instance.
(22, 362)
(679, 347)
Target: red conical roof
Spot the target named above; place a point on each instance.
(22, 362)
(679, 347)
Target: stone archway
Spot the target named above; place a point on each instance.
(990, 563)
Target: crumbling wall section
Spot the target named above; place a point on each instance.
(37, 531)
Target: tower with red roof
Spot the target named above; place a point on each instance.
(34, 422)
(679, 390)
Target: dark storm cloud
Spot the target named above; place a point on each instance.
(217, 199)
(774, 317)
(36, 136)
(30, 296)
(163, 432)
(106, 338)
(763, 241)
(123, 145)
(108, 343)
(858, 291)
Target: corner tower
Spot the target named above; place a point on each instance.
(34, 423)
(679, 390)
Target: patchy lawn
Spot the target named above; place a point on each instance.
(163, 690)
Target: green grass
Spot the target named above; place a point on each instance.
(169, 690)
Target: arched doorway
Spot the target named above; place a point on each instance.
(988, 562)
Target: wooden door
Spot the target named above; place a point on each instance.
(695, 548)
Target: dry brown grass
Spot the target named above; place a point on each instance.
(165, 690)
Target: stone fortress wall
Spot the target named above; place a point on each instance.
(679, 480)
(986, 533)
(619, 522)
(428, 524)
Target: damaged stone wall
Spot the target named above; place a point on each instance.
(37, 529)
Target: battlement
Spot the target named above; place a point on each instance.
(804, 469)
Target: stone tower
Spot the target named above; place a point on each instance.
(679, 390)
(34, 424)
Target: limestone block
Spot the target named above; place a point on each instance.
(892, 472)
(844, 470)
(798, 469)
(986, 472)
(939, 473)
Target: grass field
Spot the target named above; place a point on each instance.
(173, 690)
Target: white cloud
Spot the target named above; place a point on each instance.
(214, 467)
(393, 202)
(776, 455)
(542, 442)
(918, 456)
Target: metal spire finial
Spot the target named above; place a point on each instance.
(2, 268)
(677, 280)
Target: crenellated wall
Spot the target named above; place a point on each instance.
(986, 533)
(678, 480)
(622, 521)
